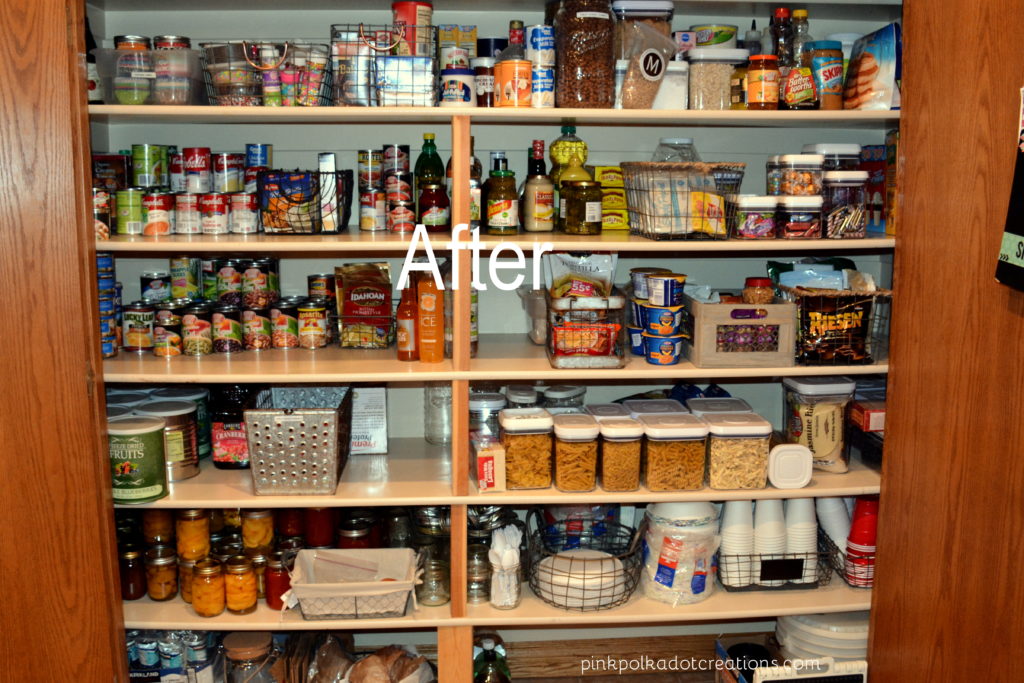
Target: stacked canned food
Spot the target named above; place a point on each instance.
(109, 290)
(386, 200)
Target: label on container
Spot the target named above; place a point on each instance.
(828, 75)
(435, 215)
(762, 86)
(503, 213)
(592, 15)
(174, 445)
(229, 443)
(592, 212)
(137, 467)
(544, 205)
(668, 560)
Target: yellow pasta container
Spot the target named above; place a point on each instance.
(674, 452)
(526, 437)
(738, 450)
(620, 454)
(575, 452)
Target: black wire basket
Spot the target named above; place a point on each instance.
(267, 73)
(772, 572)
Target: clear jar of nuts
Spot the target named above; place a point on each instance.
(738, 450)
(620, 454)
(584, 46)
(675, 448)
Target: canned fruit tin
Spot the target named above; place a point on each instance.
(401, 217)
(321, 286)
(187, 220)
(197, 331)
(167, 341)
(665, 289)
(158, 213)
(213, 213)
(256, 290)
(101, 217)
(243, 216)
(312, 325)
(155, 286)
(257, 329)
(185, 277)
(136, 450)
(229, 282)
(372, 210)
(259, 154)
(370, 168)
(398, 187)
(147, 165)
(137, 326)
(395, 159)
(198, 165)
(227, 330)
(129, 211)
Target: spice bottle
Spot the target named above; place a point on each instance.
(538, 194)
(763, 82)
(407, 320)
(430, 317)
(502, 204)
(208, 599)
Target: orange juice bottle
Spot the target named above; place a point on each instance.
(407, 319)
(430, 301)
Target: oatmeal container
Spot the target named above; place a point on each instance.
(575, 453)
(621, 441)
(526, 436)
(738, 450)
(674, 452)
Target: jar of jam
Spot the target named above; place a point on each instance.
(185, 568)
(763, 82)
(434, 208)
(353, 533)
(240, 585)
(582, 207)
(288, 522)
(208, 598)
(193, 532)
(257, 529)
(161, 573)
(319, 524)
(369, 517)
(157, 526)
(758, 290)
(277, 581)
(133, 573)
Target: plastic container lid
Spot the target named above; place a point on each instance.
(845, 176)
(708, 406)
(166, 408)
(622, 65)
(657, 406)
(839, 149)
(775, 159)
(756, 282)
(738, 424)
(828, 45)
(803, 159)
(678, 66)
(696, 511)
(714, 54)
(486, 402)
(680, 426)
(847, 623)
(482, 61)
(525, 420)
(607, 411)
(118, 411)
(576, 427)
(132, 425)
(621, 428)
(643, 6)
(563, 391)
(755, 201)
(820, 386)
(182, 393)
(675, 141)
(801, 202)
(521, 393)
(130, 400)
(790, 466)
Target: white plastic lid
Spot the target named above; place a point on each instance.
(132, 425)
(821, 386)
(708, 406)
(655, 406)
(801, 202)
(561, 391)
(525, 420)
(714, 54)
(643, 5)
(756, 201)
(621, 428)
(790, 466)
(845, 176)
(486, 401)
(576, 427)
(679, 426)
(803, 159)
(166, 408)
(521, 393)
(678, 66)
(130, 400)
(738, 424)
(675, 141)
(833, 149)
(774, 159)
(481, 61)
(607, 411)
(182, 393)
(118, 411)
(622, 65)
(826, 624)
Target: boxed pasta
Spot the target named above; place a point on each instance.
(487, 466)
(364, 305)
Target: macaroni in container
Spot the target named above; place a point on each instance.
(575, 452)
(674, 452)
(526, 436)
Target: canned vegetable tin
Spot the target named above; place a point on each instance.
(259, 154)
(257, 328)
(197, 330)
(229, 281)
(285, 318)
(137, 326)
(147, 165)
(321, 286)
(227, 329)
(312, 324)
(185, 277)
(167, 341)
(155, 286)
(137, 466)
(129, 211)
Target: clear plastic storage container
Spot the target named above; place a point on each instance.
(711, 76)
(575, 453)
(607, 411)
(845, 204)
(653, 406)
(799, 218)
(837, 156)
(712, 406)
(738, 447)
(621, 441)
(526, 436)
(654, 13)
(521, 396)
(483, 413)
(562, 398)
(754, 217)
(814, 417)
(801, 174)
(674, 452)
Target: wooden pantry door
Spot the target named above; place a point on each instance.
(61, 619)
(949, 601)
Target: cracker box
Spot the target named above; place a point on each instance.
(613, 197)
(614, 219)
(868, 415)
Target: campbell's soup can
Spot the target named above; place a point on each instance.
(227, 173)
(372, 210)
(137, 326)
(177, 171)
(101, 213)
(284, 316)
(398, 187)
(243, 213)
(512, 83)
(401, 217)
(321, 286)
(155, 286)
(187, 220)
(257, 330)
(198, 164)
(542, 87)
(370, 168)
(129, 211)
(395, 158)
(158, 213)
(213, 213)
(186, 277)
(259, 154)
(229, 281)
(312, 324)
(197, 330)
(250, 178)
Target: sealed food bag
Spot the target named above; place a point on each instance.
(580, 273)
(648, 52)
(874, 76)
(815, 417)
(679, 545)
(364, 305)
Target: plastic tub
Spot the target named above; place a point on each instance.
(663, 350)
(799, 218)
(801, 174)
(738, 450)
(662, 321)
(674, 452)
(837, 156)
(654, 13)
(715, 36)
(711, 75)
(814, 417)
(845, 205)
(653, 406)
(754, 217)
(620, 454)
(536, 308)
(575, 453)
(526, 436)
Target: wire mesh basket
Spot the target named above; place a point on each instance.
(290, 201)
(840, 327)
(298, 439)
(355, 583)
(669, 200)
(857, 571)
(267, 73)
(779, 571)
(583, 568)
(384, 65)
(586, 332)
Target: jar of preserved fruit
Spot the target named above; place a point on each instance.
(288, 522)
(526, 437)
(185, 568)
(259, 566)
(240, 589)
(354, 533)
(319, 523)
(621, 442)
(277, 580)
(763, 82)
(161, 573)
(575, 452)
(157, 526)
(208, 598)
(257, 529)
(193, 534)
(133, 573)
(582, 207)
(584, 43)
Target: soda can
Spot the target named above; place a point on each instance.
(284, 316)
(177, 172)
(197, 330)
(372, 210)
(147, 165)
(137, 326)
(129, 211)
(259, 154)
(198, 165)
(398, 187)
(187, 220)
(250, 178)
(540, 45)
(158, 213)
(543, 93)
(213, 213)
(401, 217)
(370, 168)
(395, 159)
(185, 277)
(155, 286)
(243, 213)
(101, 212)
(321, 286)
(257, 329)
(226, 177)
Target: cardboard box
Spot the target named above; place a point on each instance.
(487, 466)
(872, 160)
(893, 173)
(613, 198)
(608, 176)
(614, 219)
(811, 670)
(369, 421)
(447, 35)
(467, 40)
(869, 416)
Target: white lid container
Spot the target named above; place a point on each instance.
(713, 54)
(134, 424)
(845, 177)
(482, 61)
(576, 427)
(802, 159)
(820, 386)
(675, 141)
(851, 625)
(564, 391)
(130, 400)
(691, 511)
(790, 466)
(486, 402)
(738, 424)
(679, 426)
(182, 393)
(839, 149)
(607, 411)
(707, 406)
(750, 202)
(520, 393)
(643, 5)
(653, 406)
(622, 429)
(788, 202)
(525, 420)
(166, 408)
(118, 411)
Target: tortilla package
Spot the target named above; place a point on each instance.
(874, 76)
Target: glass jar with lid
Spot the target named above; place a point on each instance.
(773, 175)
(575, 452)
(249, 657)
(240, 589)
(161, 573)
(226, 548)
(502, 204)
(132, 568)
(711, 76)
(738, 446)
(582, 202)
(763, 82)
(621, 441)
(845, 204)
(675, 149)
(564, 398)
(584, 43)
(521, 396)
(483, 413)
(277, 580)
(258, 529)
(192, 530)
(801, 174)
(320, 524)
(259, 567)
(758, 290)
(157, 526)
(674, 452)
(185, 568)
(434, 208)
(208, 597)
(836, 156)
(799, 218)
(478, 574)
(526, 437)
(354, 533)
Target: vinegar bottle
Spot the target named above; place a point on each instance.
(407, 322)
(430, 313)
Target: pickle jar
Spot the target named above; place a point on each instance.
(526, 437)
(259, 566)
(161, 573)
(185, 568)
(575, 452)
(621, 441)
(674, 452)
(193, 532)
(240, 585)
(257, 529)
(132, 568)
(208, 598)
(582, 207)
(157, 526)
(738, 450)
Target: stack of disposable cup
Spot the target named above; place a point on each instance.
(769, 537)
(802, 535)
(834, 519)
(737, 534)
(860, 545)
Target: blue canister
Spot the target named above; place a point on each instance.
(259, 154)
(665, 289)
(662, 321)
(104, 262)
(638, 277)
(636, 339)
(457, 88)
(663, 350)
(639, 314)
